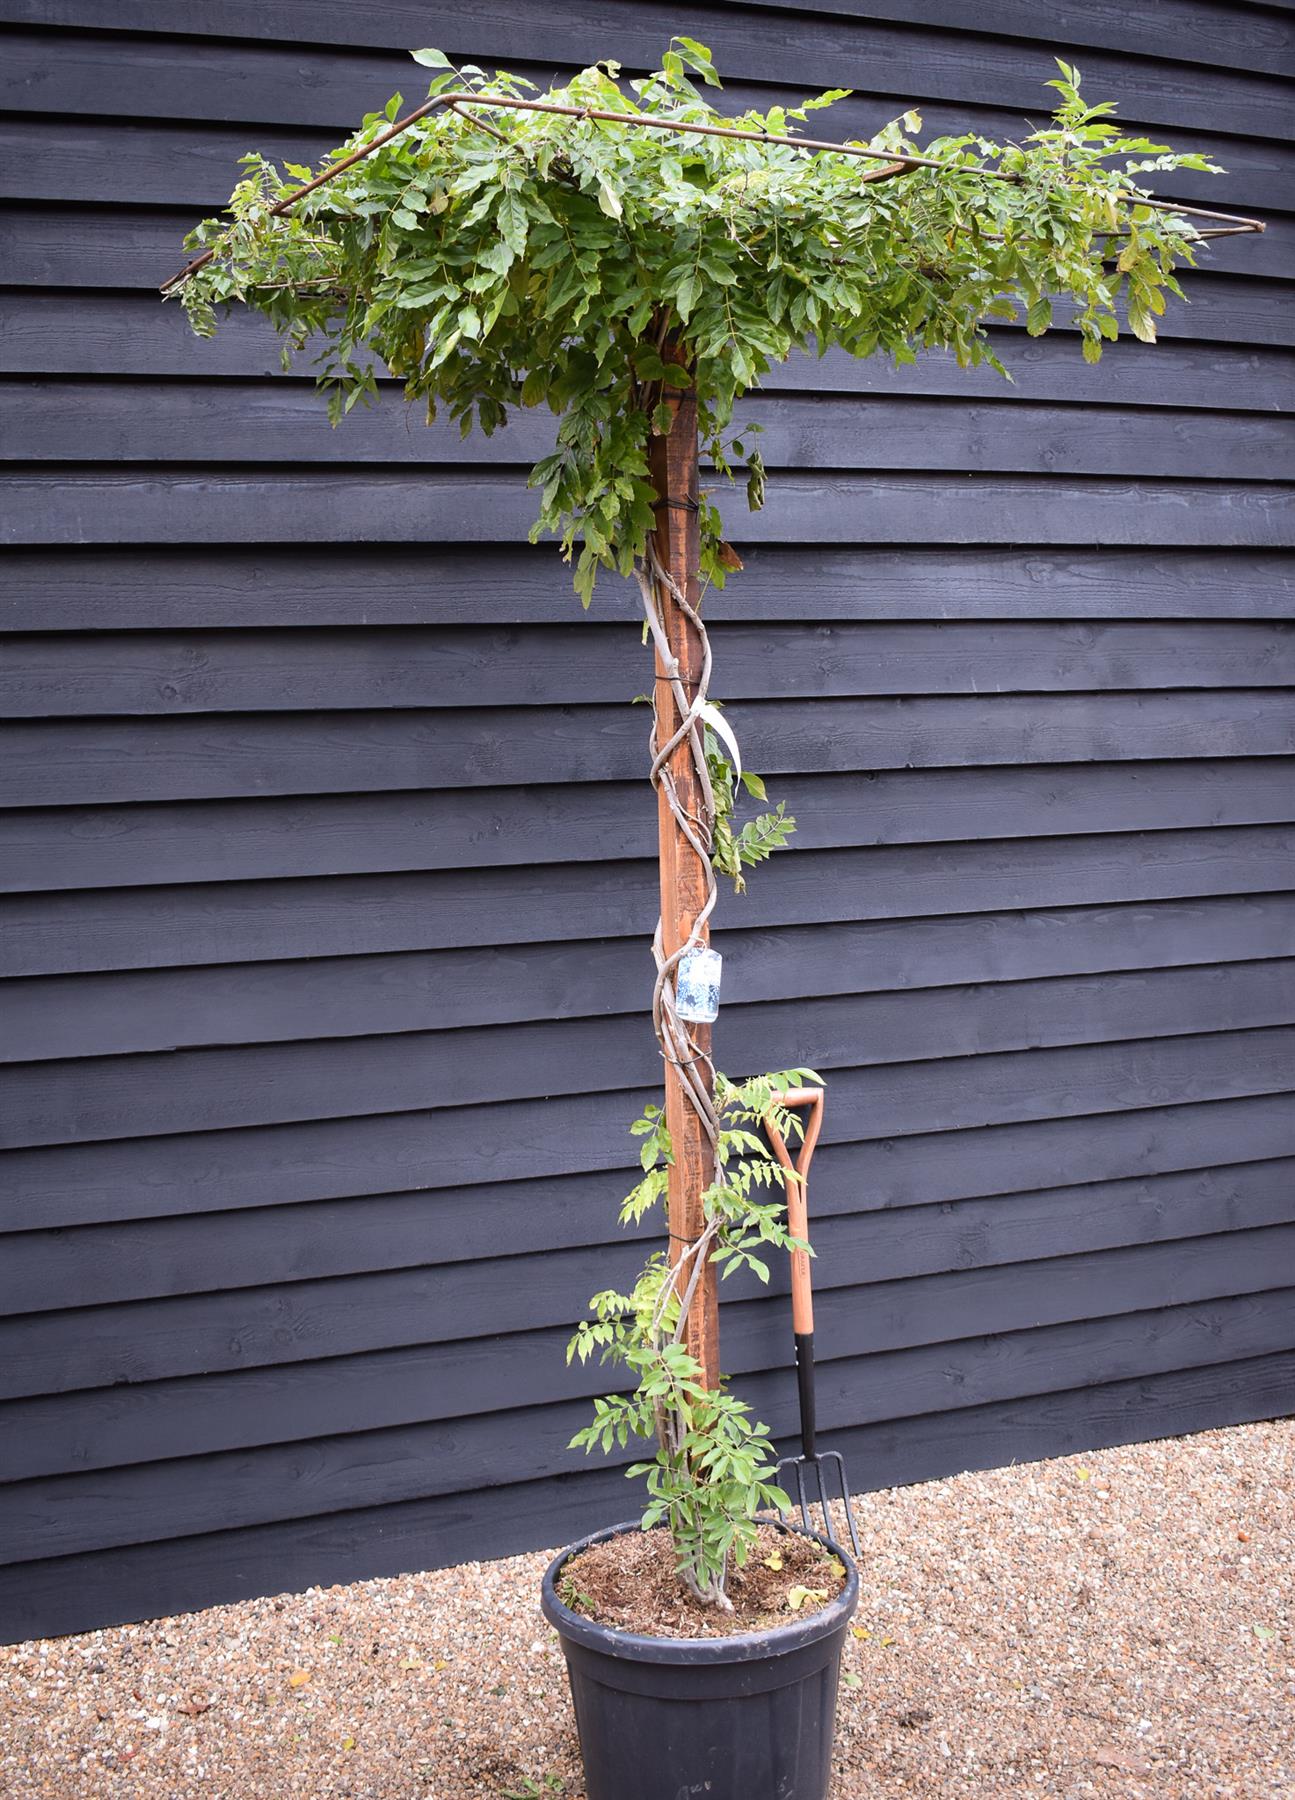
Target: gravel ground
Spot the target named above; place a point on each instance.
(1117, 1624)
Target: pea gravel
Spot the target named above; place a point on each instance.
(1116, 1624)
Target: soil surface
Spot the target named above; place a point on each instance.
(630, 1582)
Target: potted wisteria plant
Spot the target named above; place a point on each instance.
(632, 259)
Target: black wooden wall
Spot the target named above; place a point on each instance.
(327, 852)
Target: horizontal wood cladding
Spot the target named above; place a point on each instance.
(75, 1593)
(156, 1500)
(1012, 1079)
(92, 762)
(161, 1009)
(286, 422)
(530, 831)
(211, 1089)
(116, 334)
(919, 59)
(131, 506)
(164, 673)
(262, 82)
(194, 164)
(88, 246)
(133, 1345)
(290, 1165)
(237, 921)
(325, 843)
(98, 1265)
(162, 587)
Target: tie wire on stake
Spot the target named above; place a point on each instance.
(692, 1065)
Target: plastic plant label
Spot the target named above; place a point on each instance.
(697, 986)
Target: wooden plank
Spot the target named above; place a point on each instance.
(61, 675)
(389, 1390)
(128, 1427)
(255, 1407)
(72, 847)
(62, 244)
(73, 762)
(97, 1265)
(78, 1593)
(157, 1500)
(108, 1014)
(291, 1164)
(285, 421)
(479, 506)
(65, 74)
(121, 334)
(170, 587)
(911, 60)
(58, 72)
(143, 1260)
(1223, 34)
(142, 926)
(202, 1089)
(1002, 1028)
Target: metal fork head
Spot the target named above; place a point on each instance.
(806, 1482)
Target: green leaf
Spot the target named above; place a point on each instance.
(432, 59)
(1141, 324)
(609, 201)
(512, 222)
(698, 58)
(1039, 316)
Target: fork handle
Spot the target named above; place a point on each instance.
(805, 1390)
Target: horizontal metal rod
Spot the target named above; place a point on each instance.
(896, 160)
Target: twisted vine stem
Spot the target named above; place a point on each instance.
(676, 1044)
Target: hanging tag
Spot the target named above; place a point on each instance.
(696, 992)
(724, 731)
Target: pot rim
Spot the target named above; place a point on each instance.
(744, 1646)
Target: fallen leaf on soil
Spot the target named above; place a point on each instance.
(411, 1662)
(797, 1596)
(774, 1561)
(859, 1632)
(298, 1678)
(348, 1743)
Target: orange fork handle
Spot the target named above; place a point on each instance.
(802, 1297)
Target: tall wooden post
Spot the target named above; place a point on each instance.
(683, 880)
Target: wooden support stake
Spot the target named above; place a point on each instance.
(673, 463)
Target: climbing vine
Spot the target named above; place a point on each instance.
(599, 252)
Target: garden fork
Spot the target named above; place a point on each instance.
(802, 1316)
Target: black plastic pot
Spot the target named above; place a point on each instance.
(735, 1718)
